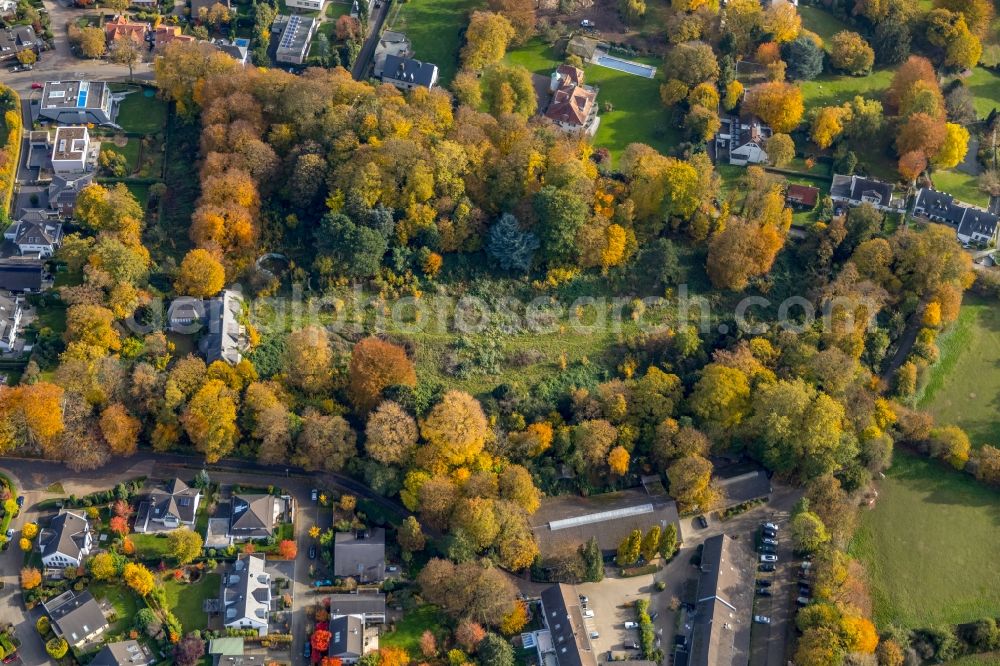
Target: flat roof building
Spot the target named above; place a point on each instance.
(296, 36)
(78, 103)
(70, 150)
(722, 619)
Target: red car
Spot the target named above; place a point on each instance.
(37, 86)
(11, 658)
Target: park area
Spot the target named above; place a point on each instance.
(937, 526)
(637, 114)
(964, 388)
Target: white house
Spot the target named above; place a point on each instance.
(167, 508)
(744, 142)
(35, 234)
(246, 595)
(66, 541)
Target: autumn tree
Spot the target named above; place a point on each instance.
(376, 365)
(31, 578)
(184, 545)
(515, 484)
(468, 590)
(508, 89)
(953, 148)
(119, 525)
(486, 39)
(309, 360)
(468, 634)
(455, 429)
(780, 149)
(410, 536)
(690, 483)
(91, 42)
(618, 460)
(744, 21)
(629, 549)
(828, 124)
(287, 549)
(778, 104)
(808, 532)
(520, 13)
(120, 429)
(782, 21)
(921, 133)
(691, 63)
(912, 164)
(189, 650)
(210, 420)
(849, 52)
(102, 566)
(139, 578)
(391, 434)
(324, 442)
(977, 13)
(755, 245)
(183, 66)
(125, 52)
(200, 275)
(916, 68)
(651, 543)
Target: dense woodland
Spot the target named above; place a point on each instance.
(428, 193)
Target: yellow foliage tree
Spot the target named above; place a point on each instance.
(618, 460)
(30, 578)
(102, 566)
(932, 314)
(139, 578)
(954, 148)
(829, 124)
(456, 428)
(201, 275)
(29, 531)
(486, 40)
(778, 104)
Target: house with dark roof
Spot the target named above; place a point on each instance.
(390, 43)
(35, 234)
(18, 38)
(10, 321)
(568, 640)
(255, 516)
(124, 653)
(408, 73)
(972, 224)
(801, 196)
(855, 190)
(20, 275)
(568, 521)
(722, 617)
(742, 142)
(360, 555)
(77, 618)
(573, 107)
(348, 641)
(246, 595)
(66, 541)
(745, 487)
(167, 508)
(370, 606)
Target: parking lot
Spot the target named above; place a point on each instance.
(607, 600)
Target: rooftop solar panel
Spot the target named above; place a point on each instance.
(591, 518)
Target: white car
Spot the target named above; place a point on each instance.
(769, 541)
(594, 634)
(587, 23)
(631, 625)
(770, 526)
(769, 558)
(588, 614)
(802, 601)
(761, 619)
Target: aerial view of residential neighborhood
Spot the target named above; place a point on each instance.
(500, 332)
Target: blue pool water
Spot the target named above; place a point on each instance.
(626, 66)
(242, 42)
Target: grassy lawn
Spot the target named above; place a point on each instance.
(929, 546)
(820, 21)
(832, 89)
(971, 348)
(130, 150)
(411, 628)
(186, 599)
(961, 185)
(335, 10)
(141, 114)
(123, 600)
(150, 546)
(141, 193)
(637, 112)
(985, 87)
(985, 659)
(435, 28)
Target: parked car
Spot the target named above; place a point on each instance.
(307, 650)
(588, 614)
(631, 646)
(767, 567)
(763, 592)
(767, 548)
(761, 619)
(770, 526)
(702, 521)
(767, 557)
(770, 541)
(763, 582)
(587, 23)
(314, 495)
(11, 658)
(769, 534)
(312, 552)
(594, 634)
(20, 500)
(802, 601)
(10, 534)
(631, 625)
(584, 599)
(37, 86)
(323, 583)
(653, 616)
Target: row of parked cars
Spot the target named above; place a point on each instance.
(768, 559)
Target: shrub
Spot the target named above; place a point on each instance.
(57, 648)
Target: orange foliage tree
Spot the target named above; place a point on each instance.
(320, 640)
(287, 549)
(376, 365)
(30, 578)
(119, 525)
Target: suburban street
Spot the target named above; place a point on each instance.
(32, 477)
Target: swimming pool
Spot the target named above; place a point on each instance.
(645, 71)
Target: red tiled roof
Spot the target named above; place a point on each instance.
(802, 194)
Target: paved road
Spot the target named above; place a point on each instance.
(364, 60)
